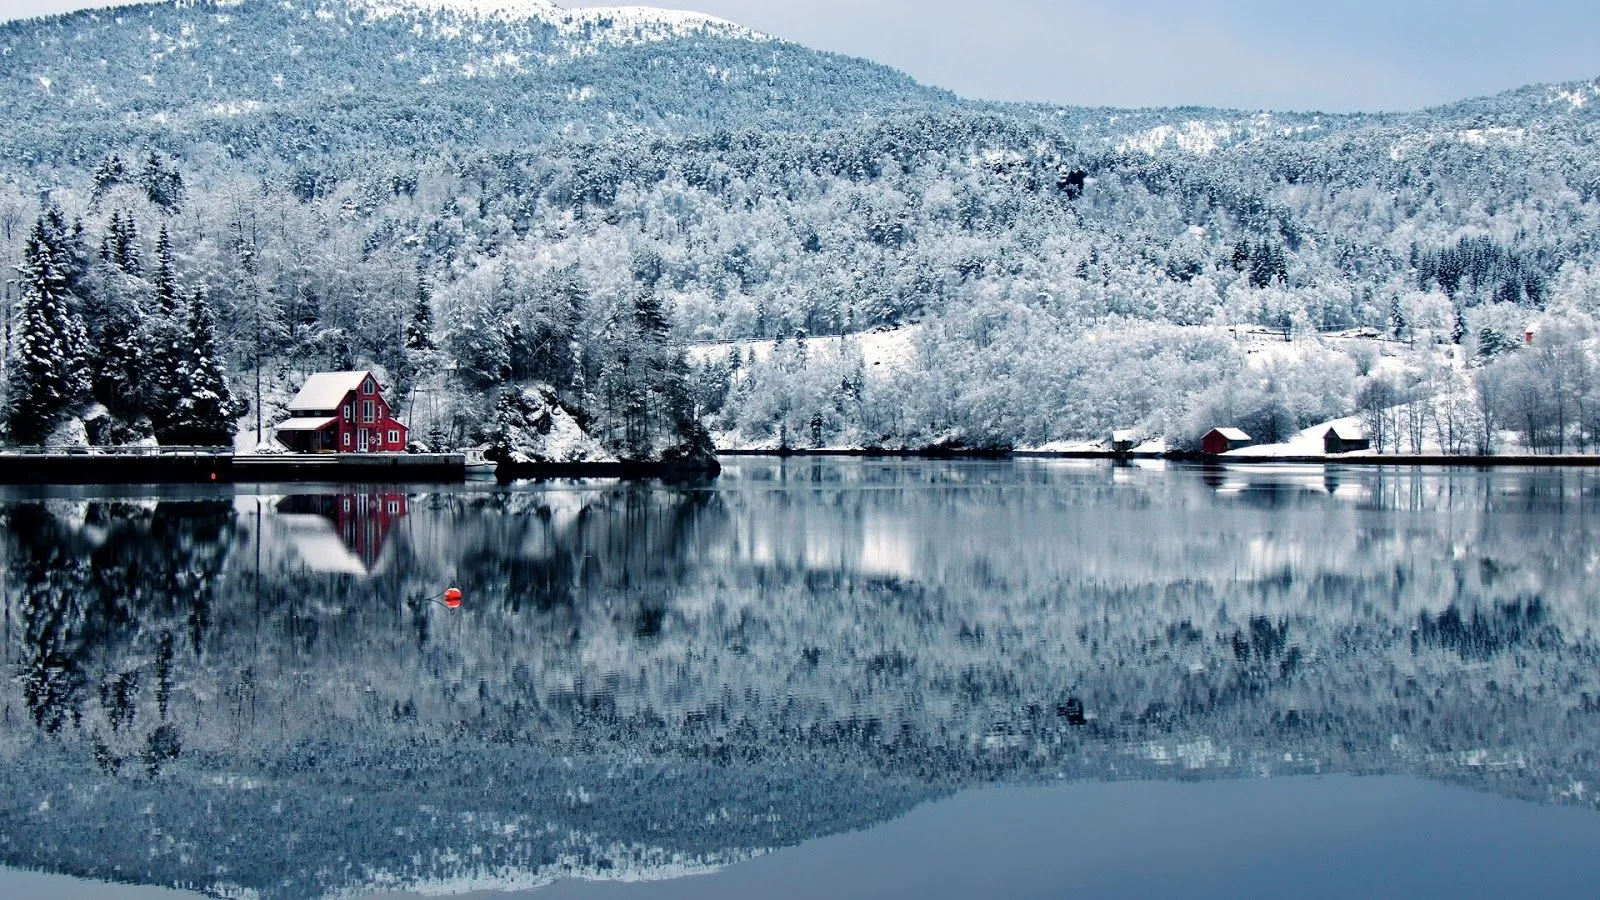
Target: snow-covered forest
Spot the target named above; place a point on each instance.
(676, 228)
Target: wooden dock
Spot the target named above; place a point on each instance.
(202, 465)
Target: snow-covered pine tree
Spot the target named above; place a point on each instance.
(1397, 318)
(124, 242)
(114, 319)
(204, 413)
(108, 175)
(167, 342)
(166, 280)
(558, 304)
(163, 185)
(419, 329)
(108, 252)
(477, 340)
(48, 372)
(67, 242)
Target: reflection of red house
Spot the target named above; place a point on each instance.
(361, 523)
(342, 412)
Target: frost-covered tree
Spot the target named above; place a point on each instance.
(419, 327)
(205, 409)
(48, 373)
(166, 341)
(162, 183)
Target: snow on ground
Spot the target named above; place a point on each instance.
(1069, 447)
(881, 351)
(276, 392)
(1308, 442)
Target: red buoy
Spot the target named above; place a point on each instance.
(452, 598)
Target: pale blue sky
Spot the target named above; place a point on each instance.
(1346, 55)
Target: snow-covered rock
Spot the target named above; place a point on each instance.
(70, 433)
(531, 426)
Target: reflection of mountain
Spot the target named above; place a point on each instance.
(649, 679)
(340, 533)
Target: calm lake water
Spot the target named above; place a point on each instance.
(808, 678)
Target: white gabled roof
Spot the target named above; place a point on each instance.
(316, 423)
(1345, 431)
(1233, 434)
(1124, 435)
(325, 390)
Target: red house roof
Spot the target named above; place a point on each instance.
(325, 390)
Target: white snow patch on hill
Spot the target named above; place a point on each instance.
(1578, 97)
(1308, 442)
(881, 351)
(1475, 137)
(1194, 137)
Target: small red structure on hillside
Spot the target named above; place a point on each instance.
(342, 412)
(1221, 440)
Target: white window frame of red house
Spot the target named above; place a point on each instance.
(367, 387)
(347, 412)
(369, 411)
(394, 436)
(347, 438)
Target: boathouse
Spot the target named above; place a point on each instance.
(1345, 438)
(1122, 442)
(342, 412)
(1221, 440)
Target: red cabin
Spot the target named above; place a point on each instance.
(342, 412)
(1221, 440)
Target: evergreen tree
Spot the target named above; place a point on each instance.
(1458, 326)
(1397, 318)
(119, 246)
(166, 339)
(1492, 344)
(419, 330)
(165, 278)
(162, 185)
(477, 340)
(48, 372)
(108, 253)
(124, 243)
(67, 242)
(115, 327)
(108, 175)
(204, 413)
(557, 308)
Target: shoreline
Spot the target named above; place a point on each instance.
(1368, 459)
(425, 469)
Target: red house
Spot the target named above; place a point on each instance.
(1221, 440)
(342, 412)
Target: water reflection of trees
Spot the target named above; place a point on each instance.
(125, 575)
(917, 627)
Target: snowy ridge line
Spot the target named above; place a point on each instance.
(622, 24)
